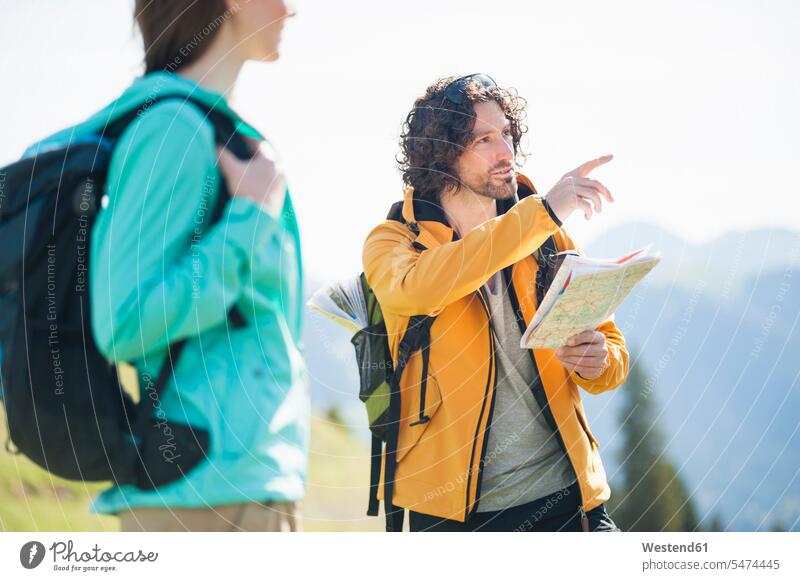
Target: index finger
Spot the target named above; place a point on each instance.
(584, 169)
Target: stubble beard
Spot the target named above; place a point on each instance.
(494, 188)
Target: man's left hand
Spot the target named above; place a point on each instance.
(586, 353)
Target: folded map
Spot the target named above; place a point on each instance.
(584, 293)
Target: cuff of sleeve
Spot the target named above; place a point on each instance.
(248, 224)
(550, 211)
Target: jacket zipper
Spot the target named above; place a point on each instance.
(541, 398)
(469, 512)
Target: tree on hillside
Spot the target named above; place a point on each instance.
(652, 495)
(713, 524)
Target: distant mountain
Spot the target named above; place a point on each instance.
(727, 262)
(717, 327)
(727, 381)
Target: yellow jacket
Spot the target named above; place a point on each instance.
(416, 264)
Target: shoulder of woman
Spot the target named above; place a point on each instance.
(170, 145)
(167, 121)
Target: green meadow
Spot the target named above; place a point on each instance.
(336, 499)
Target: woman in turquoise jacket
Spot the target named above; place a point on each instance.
(157, 277)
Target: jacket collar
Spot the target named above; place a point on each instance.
(427, 219)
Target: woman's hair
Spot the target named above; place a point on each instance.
(177, 32)
(436, 131)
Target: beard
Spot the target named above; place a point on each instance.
(493, 187)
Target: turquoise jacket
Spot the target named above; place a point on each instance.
(157, 276)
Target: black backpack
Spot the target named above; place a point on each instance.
(379, 377)
(65, 406)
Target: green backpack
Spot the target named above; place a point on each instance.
(379, 390)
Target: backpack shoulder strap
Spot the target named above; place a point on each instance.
(548, 265)
(396, 212)
(417, 336)
(225, 133)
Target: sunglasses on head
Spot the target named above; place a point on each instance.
(455, 90)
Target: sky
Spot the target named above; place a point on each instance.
(696, 100)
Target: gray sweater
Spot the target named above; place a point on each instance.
(524, 461)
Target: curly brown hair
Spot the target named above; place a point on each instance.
(436, 131)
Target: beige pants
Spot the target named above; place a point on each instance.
(254, 516)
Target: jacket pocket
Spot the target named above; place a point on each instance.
(585, 424)
(418, 414)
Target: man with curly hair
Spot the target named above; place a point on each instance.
(484, 435)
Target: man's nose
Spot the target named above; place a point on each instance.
(505, 151)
